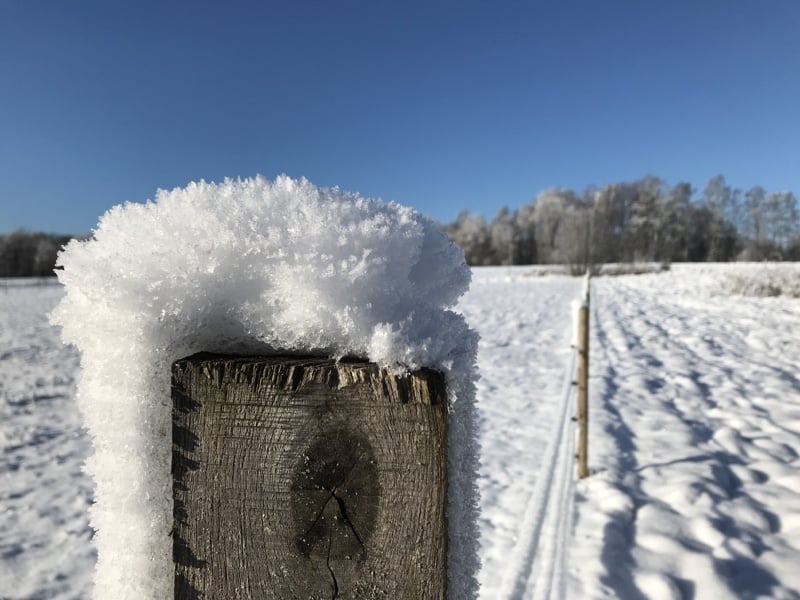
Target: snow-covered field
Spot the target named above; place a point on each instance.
(45, 539)
(525, 360)
(694, 431)
(694, 440)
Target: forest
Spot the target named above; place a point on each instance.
(27, 254)
(640, 221)
(645, 220)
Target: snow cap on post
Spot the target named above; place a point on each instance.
(251, 267)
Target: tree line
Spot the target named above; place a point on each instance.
(27, 254)
(643, 220)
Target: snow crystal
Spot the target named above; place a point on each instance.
(251, 266)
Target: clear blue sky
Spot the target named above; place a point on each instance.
(440, 105)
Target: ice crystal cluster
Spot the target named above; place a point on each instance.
(258, 267)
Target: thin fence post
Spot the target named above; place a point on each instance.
(583, 385)
(307, 478)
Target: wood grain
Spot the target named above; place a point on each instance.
(305, 478)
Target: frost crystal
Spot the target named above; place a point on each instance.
(258, 267)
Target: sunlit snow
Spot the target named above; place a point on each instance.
(251, 267)
(694, 437)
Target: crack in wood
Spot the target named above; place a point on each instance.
(347, 521)
(317, 518)
(330, 569)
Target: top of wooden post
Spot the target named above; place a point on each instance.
(303, 477)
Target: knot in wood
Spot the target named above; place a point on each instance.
(335, 496)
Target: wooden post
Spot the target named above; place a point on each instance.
(298, 477)
(583, 388)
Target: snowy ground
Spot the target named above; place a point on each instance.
(525, 360)
(45, 548)
(694, 439)
(695, 426)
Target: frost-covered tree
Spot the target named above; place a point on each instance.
(610, 217)
(526, 231)
(550, 210)
(646, 219)
(722, 203)
(646, 222)
(503, 238)
(25, 254)
(573, 239)
(470, 233)
(677, 212)
(754, 213)
(754, 232)
(781, 218)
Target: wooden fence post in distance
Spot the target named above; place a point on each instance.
(300, 477)
(583, 389)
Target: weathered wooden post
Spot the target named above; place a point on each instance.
(583, 386)
(307, 478)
